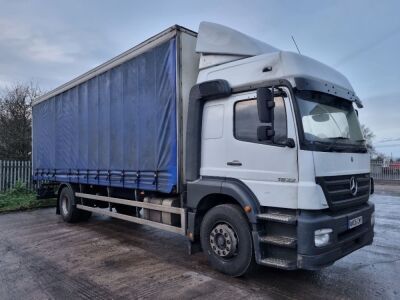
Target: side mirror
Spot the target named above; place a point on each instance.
(265, 105)
(265, 133)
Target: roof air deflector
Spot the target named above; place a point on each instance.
(218, 39)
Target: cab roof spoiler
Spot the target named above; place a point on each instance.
(312, 84)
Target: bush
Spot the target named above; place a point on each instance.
(18, 189)
(20, 198)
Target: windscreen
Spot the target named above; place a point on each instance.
(328, 119)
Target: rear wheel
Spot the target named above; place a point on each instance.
(226, 240)
(68, 210)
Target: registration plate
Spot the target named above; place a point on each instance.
(355, 222)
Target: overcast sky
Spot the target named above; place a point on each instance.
(50, 42)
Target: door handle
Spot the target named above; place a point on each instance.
(234, 163)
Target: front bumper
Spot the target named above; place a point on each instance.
(343, 240)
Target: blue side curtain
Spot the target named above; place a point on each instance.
(118, 128)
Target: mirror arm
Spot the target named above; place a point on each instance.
(289, 142)
(271, 104)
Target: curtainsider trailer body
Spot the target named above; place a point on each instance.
(119, 125)
(253, 153)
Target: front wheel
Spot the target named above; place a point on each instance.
(226, 240)
(68, 210)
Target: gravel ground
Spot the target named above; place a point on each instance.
(43, 258)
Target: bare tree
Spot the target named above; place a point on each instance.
(15, 121)
(368, 136)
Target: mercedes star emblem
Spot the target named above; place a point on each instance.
(353, 186)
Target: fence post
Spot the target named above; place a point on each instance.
(16, 163)
(15, 172)
(19, 170)
(6, 175)
(1, 176)
(29, 174)
(13, 176)
(24, 175)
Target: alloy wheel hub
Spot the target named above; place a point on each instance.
(223, 240)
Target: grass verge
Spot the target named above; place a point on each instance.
(20, 199)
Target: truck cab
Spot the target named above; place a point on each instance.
(282, 128)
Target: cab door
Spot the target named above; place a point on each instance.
(268, 168)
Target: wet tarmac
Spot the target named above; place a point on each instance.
(43, 258)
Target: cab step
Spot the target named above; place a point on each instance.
(278, 240)
(278, 217)
(279, 263)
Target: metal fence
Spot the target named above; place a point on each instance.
(385, 171)
(12, 172)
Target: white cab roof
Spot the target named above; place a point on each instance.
(249, 57)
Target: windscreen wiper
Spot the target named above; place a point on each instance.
(328, 146)
(359, 147)
(335, 140)
(363, 147)
(331, 146)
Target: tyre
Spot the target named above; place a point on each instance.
(125, 209)
(226, 240)
(68, 210)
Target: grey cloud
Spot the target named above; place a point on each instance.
(29, 54)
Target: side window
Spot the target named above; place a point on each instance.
(246, 120)
(213, 122)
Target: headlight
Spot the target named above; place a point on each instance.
(322, 237)
(373, 219)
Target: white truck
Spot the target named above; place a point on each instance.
(253, 153)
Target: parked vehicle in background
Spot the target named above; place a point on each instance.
(385, 170)
(253, 153)
(394, 166)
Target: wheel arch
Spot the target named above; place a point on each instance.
(206, 193)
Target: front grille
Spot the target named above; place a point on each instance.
(337, 190)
